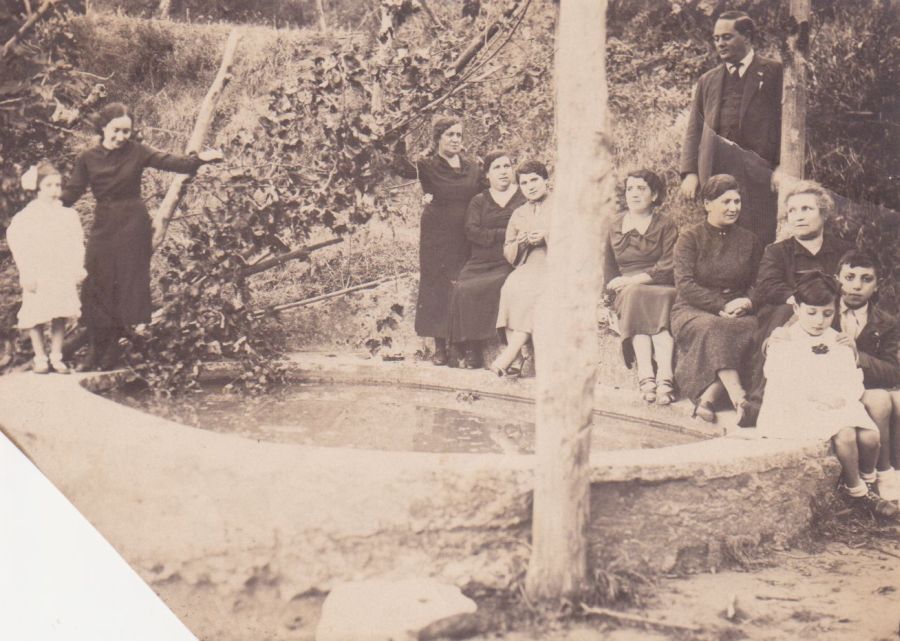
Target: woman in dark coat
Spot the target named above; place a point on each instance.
(476, 295)
(116, 292)
(712, 319)
(449, 181)
(639, 274)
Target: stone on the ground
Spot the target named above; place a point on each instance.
(381, 610)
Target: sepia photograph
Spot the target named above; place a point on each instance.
(430, 320)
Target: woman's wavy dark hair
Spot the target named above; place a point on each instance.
(817, 288)
(491, 156)
(109, 112)
(654, 182)
(717, 185)
(439, 125)
(532, 167)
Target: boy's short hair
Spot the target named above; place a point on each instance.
(532, 167)
(859, 258)
(817, 288)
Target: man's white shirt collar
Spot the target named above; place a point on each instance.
(745, 64)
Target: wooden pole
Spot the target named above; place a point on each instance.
(793, 103)
(323, 21)
(566, 319)
(321, 297)
(178, 187)
(303, 252)
(27, 26)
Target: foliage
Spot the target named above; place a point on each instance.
(309, 154)
(314, 162)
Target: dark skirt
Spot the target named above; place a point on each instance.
(706, 343)
(116, 291)
(642, 309)
(443, 250)
(475, 300)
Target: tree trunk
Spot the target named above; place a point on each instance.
(566, 323)
(323, 21)
(165, 8)
(179, 185)
(793, 103)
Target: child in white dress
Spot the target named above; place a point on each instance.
(814, 387)
(47, 243)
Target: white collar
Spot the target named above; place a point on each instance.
(641, 224)
(859, 312)
(745, 64)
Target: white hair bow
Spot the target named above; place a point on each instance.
(29, 179)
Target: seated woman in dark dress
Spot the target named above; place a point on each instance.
(712, 319)
(475, 299)
(639, 273)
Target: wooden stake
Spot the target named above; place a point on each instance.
(624, 617)
(178, 187)
(793, 104)
(27, 26)
(565, 333)
(321, 297)
(323, 21)
(303, 252)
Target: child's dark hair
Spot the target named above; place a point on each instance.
(532, 167)
(817, 288)
(859, 258)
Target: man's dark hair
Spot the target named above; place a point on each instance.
(859, 258)
(743, 23)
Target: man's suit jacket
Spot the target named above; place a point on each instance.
(760, 116)
(877, 345)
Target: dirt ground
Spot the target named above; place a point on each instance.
(833, 593)
(838, 593)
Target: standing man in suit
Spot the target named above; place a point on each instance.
(735, 124)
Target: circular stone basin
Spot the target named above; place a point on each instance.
(379, 417)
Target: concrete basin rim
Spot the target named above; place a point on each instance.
(708, 458)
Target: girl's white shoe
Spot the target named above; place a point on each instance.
(56, 361)
(40, 365)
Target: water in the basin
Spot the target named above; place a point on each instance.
(386, 418)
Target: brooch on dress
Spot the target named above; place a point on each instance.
(821, 348)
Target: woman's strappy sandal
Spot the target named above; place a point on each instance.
(704, 411)
(665, 391)
(648, 389)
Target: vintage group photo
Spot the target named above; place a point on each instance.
(417, 320)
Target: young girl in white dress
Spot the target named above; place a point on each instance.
(813, 390)
(47, 244)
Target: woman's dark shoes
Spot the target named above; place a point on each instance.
(509, 373)
(440, 356)
(747, 413)
(473, 359)
(704, 411)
